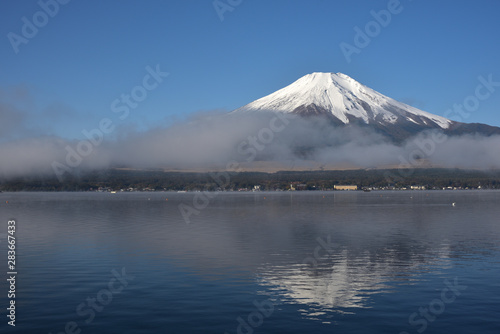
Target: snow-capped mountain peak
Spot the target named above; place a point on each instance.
(339, 96)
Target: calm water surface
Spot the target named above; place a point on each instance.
(293, 262)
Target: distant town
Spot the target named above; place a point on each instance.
(115, 180)
(296, 187)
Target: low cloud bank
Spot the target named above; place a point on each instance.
(211, 140)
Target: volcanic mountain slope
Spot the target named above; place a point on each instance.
(345, 101)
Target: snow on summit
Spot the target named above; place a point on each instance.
(344, 98)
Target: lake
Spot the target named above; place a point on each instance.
(283, 262)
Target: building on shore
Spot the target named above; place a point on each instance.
(345, 187)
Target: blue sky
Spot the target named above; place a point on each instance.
(65, 78)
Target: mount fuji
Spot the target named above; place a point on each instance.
(344, 101)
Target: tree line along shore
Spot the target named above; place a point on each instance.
(363, 179)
